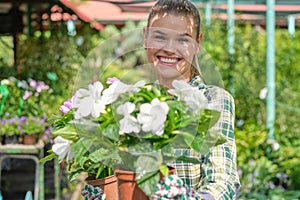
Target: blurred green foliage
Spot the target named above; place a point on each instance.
(268, 168)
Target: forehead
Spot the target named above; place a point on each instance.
(177, 23)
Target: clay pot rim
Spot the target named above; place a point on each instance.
(106, 180)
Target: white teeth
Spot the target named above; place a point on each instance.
(168, 60)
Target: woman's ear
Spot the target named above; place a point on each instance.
(199, 37)
(145, 33)
(198, 42)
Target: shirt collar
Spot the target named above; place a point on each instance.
(197, 82)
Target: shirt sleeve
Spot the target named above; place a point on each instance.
(219, 178)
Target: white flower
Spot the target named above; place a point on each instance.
(62, 148)
(275, 146)
(136, 87)
(129, 123)
(117, 87)
(192, 96)
(88, 102)
(196, 100)
(263, 93)
(153, 116)
(181, 89)
(5, 82)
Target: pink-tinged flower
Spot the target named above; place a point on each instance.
(27, 94)
(66, 107)
(32, 83)
(111, 80)
(41, 86)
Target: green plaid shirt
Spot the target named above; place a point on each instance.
(216, 177)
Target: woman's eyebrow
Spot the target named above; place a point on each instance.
(185, 34)
(159, 32)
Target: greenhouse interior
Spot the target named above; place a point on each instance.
(52, 51)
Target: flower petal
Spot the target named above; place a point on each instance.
(62, 148)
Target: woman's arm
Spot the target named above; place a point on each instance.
(219, 178)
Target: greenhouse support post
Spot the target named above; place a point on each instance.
(208, 13)
(230, 26)
(291, 24)
(230, 35)
(270, 65)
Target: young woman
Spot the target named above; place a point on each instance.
(172, 41)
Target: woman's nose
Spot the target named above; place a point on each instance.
(169, 46)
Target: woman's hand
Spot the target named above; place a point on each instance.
(172, 187)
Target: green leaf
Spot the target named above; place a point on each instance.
(188, 160)
(186, 136)
(48, 158)
(214, 138)
(138, 148)
(156, 91)
(58, 120)
(112, 132)
(100, 171)
(74, 175)
(164, 170)
(200, 146)
(215, 115)
(79, 151)
(147, 171)
(68, 132)
(148, 163)
(148, 182)
(104, 154)
(207, 119)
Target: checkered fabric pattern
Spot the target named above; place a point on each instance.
(216, 177)
(90, 192)
(172, 187)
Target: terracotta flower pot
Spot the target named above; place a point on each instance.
(109, 186)
(128, 188)
(29, 139)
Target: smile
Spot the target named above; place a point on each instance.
(168, 60)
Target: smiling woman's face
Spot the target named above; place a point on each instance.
(171, 44)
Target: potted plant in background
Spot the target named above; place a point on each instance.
(132, 129)
(32, 128)
(10, 129)
(23, 106)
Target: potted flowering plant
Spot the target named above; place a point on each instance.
(25, 103)
(32, 128)
(10, 129)
(132, 127)
(24, 97)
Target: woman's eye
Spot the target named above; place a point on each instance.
(159, 37)
(183, 40)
